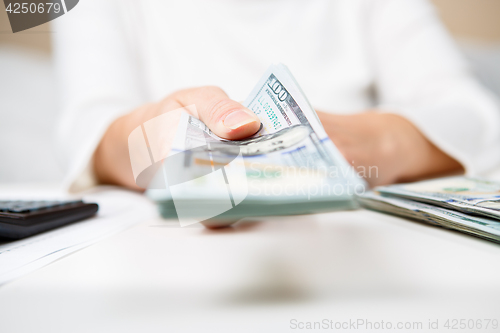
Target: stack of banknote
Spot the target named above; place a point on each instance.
(464, 204)
(289, 166)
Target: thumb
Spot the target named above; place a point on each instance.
(225, 117)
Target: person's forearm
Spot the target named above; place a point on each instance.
(389, 144)
(425, 160)
(225, 117)
(111, 158)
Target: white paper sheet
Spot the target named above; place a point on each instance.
(118, 210)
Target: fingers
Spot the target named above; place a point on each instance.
(225, 117)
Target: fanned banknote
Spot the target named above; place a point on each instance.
(289, 166)
(465, 194)
(486, 228)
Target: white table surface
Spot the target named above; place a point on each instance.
(259, 276)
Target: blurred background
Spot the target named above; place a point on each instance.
(28, 102)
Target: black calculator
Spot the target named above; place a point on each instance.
(20, 219)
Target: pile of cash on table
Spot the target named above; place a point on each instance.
(465, 204)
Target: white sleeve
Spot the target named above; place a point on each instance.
(420, 74)
(98, 81)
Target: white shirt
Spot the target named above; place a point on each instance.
(347, 55)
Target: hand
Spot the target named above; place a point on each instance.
(386, 148)
(225, 117)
